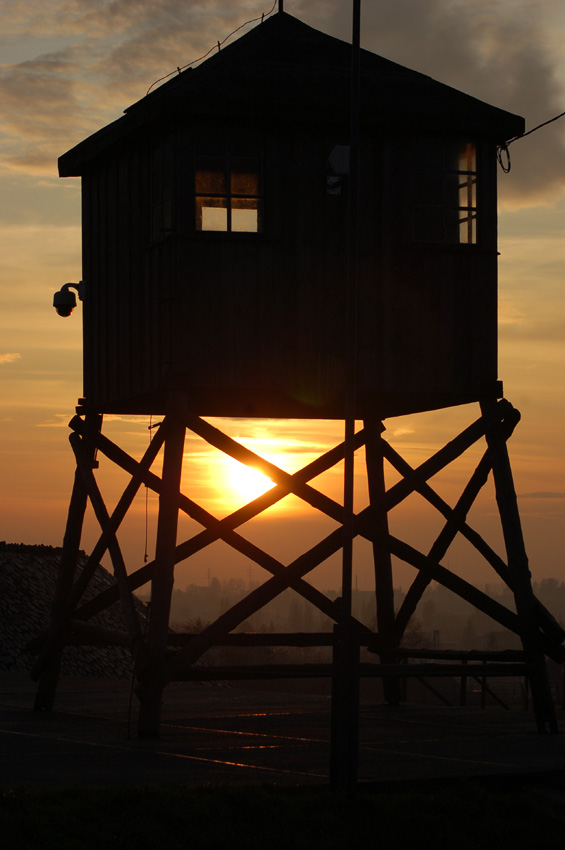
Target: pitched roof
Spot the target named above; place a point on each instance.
(285, 71)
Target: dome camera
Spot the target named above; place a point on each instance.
(65, 300)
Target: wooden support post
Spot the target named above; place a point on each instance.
(150, 687)
(463, 687)
(384, 589)
(544, 709)
(49, 677)
(344, 744)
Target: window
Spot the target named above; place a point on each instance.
(229, 196)
(445, 192)
(467, 172)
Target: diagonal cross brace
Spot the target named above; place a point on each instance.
(293, 483)
(216, 529)
(286, 577)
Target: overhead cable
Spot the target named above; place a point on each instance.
(502, 152)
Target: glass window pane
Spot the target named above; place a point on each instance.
(467, 157)
(445, 198)
(211, 214)
(244, 221)
(246, 215)
(228, 194)
(468, 229)
(214, 219)
(210, 177)
(244, 179)
(468, 192)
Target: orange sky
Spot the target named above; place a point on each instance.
(67, 68)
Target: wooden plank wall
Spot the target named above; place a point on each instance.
(243, 319)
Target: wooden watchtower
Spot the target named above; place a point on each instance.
(216, 278)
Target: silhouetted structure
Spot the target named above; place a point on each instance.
(214, 215)
(218, 281)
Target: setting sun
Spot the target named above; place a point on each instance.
(244, 482)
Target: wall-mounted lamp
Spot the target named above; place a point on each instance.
(65, 300)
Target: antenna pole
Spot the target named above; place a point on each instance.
(281, 5)
(345, 691)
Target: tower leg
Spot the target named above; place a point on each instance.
(544, 709)
(49, 677)
(345, 710)
(382, 558)
(150, 690)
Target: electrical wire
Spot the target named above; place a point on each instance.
(217, 46)
(502, 152)
(146, 554)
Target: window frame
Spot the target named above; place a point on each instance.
(227, 166)
(451, 217)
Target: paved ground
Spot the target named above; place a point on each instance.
(231, 734)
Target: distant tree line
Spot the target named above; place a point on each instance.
(442, 620)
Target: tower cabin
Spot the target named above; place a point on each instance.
(215, 237)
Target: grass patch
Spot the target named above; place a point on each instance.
(462, 814)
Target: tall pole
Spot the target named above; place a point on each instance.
(351, 296)
(149, 690)
(345, 692)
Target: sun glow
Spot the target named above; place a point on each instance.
(229, 484)
(244, 482)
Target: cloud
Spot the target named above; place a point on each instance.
(61, 420)
(107, 53)
(495, 50)
(38, 109)
(541, 330)
(9, 358)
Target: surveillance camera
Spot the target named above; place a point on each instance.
(64, 301)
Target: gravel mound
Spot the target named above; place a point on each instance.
(28, 575)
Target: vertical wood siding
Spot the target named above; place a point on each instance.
(253, 324)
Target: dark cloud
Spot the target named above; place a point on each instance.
(492, 50)
(38, 108)
(116, 49)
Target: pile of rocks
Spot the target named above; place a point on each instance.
(28, 575)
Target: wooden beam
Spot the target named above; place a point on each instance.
(456, 519)
(518, 565)
(456, 524)
(120, 572)
(47, 665)
(306, 562)
(384, 589)
(201, 673)
(291, 483)
(219, 529)
(162, 583)
(393, 497)
(475, 597)
(119, 512)
(252, 603)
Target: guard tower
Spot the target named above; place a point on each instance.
(216, 276)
